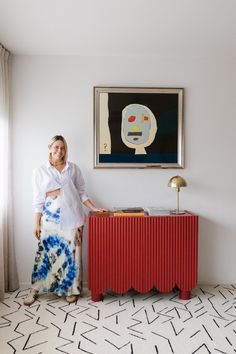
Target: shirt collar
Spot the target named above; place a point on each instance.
(50, 166)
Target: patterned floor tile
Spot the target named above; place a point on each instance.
(133, 323)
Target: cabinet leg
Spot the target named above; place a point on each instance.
(184, 295)
(96, 297)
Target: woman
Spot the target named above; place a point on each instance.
(59, 192)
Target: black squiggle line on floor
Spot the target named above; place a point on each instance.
(90, 330)
(176, 333)
(94, 318)
(203, 345)
(59, 336)
(108, 329)
(106, 340)
(157, 334)
(21, 334)
(83, 350)
(115, 313)
(135, 335)
(31, 334)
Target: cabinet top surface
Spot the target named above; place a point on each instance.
(109, 214)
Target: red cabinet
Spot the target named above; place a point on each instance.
(142, 252)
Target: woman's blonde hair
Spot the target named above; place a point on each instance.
(61, 138)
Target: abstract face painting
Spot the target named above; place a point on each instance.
(138, 127)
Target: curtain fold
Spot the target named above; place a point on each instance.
(8, 270)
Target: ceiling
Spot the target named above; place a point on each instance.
(119, 27)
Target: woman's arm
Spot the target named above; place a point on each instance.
(38, 190)
(80, 185)
(89, 204)
(38, 200)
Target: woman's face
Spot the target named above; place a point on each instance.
(57, 150)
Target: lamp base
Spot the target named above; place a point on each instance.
(177, 212)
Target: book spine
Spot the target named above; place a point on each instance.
(128, 214)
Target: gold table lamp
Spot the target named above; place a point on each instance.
(177, 182)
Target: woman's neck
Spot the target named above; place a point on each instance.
(57, 163)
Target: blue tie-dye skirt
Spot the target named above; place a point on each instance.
(58, 263)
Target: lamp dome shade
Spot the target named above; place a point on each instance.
(177, 182)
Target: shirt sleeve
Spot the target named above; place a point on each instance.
(38, 192)
(80, 184)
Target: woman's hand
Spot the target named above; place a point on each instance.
(37, 232)
(37, 225)
(89, 204)
(99, 210)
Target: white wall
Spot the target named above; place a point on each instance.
(54, 95)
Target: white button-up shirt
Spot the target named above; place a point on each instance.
(70, 181)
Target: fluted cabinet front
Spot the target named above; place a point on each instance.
(141, 253)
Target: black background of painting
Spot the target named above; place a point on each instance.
(164, 108)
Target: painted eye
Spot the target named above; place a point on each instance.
(144, 118)
(131, 119)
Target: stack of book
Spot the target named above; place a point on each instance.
(157, 211)
(137, 211)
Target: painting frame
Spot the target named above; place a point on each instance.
(112, 146)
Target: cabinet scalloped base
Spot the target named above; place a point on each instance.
(183, 295)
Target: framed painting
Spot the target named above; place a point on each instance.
(138, 127)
